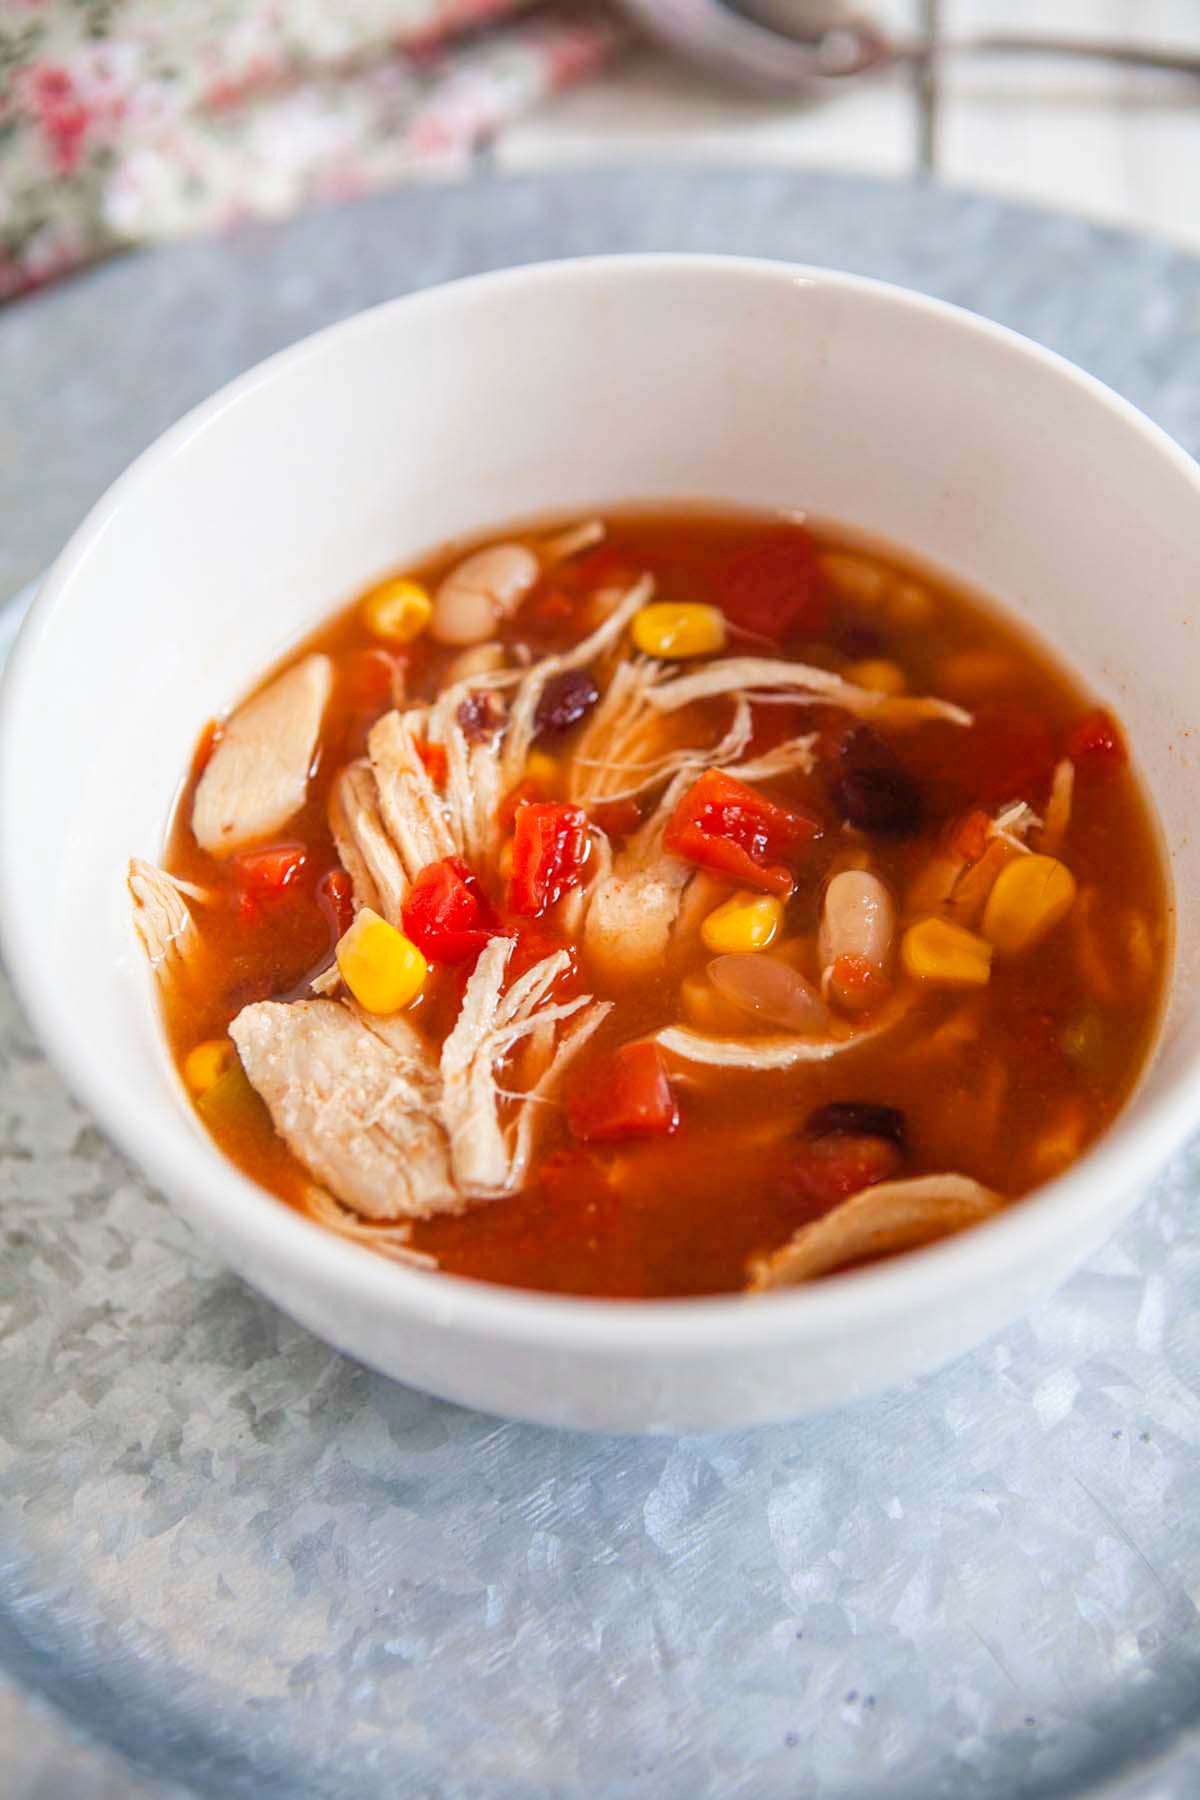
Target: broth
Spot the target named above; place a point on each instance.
(998, 1064)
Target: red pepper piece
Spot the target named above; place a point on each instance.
(828, 1170)
(434, 758)
(446, 913)
(625, 1095)
(722, 824)
(772, 589)
(550, 847)
(1095, 745)
(335, 894)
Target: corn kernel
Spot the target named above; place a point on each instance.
(945, 955)
(909, 603)
(666, 629)
(204, 1066)
(398, 610)
(854, 577)
(1028, 900)
(379, 965)
(878, 674)
(741, 924)
(541, 769)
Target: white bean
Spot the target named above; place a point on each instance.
(772, 990)
(488, 586)
(858, 920)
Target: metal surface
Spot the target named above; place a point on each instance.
(260, 1571)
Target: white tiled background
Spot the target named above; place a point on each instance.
(1122, 145)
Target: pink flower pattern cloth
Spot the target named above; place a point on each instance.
(126, 121)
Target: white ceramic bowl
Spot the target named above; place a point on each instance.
(563, 387)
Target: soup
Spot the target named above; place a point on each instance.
(676, 903)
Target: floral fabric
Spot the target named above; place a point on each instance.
(123, 121)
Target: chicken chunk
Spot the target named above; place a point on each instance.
(257, 777)
(632, 916)
(355, 1100)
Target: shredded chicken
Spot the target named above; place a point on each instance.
(161, 915)
(473, 791)
(759, 677)
(576, 538)
(391, 1241)
(1058, 808)
(363, 845)
(409, 802)
(518, 739)
(641, 910)
(1013, 823)
(355, 1099)
(257, 776)
(877, 1221)
(780, 1050)
(489, 1157)
(390, 1130)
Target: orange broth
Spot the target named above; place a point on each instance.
(1007, 1084)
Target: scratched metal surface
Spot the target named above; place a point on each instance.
(239, 1565)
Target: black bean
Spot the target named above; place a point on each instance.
(879, 798)
(857, 1118)
(565, 699)
(480, 715)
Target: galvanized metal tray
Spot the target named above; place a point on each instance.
(240, 1565)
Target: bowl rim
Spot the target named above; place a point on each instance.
(179, 1157)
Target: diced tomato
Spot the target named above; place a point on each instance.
(970, 837)
(722, 824)
(526, 789)
(625, 1095)
(858, 982)
(434, 758)
(618, 817)
(263, 878)
(446, 913)
(828, 1170)
(267, 872)
(550, 848)
(335, 894)
(1005, 755)
(772, 589)
(1095, 745)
